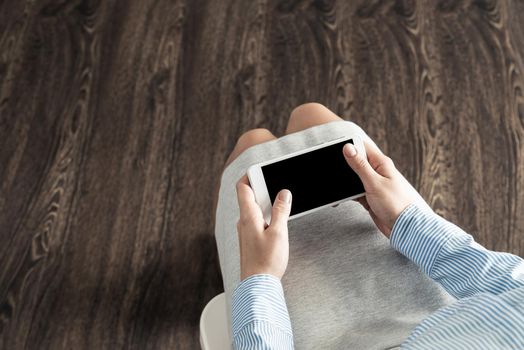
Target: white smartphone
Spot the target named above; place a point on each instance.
(317, 177)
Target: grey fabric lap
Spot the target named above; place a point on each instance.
(345, 287)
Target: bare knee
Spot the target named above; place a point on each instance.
(254, 136)
(249, 138)
(309, 114)
(307, 109)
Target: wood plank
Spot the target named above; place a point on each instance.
(116, 119)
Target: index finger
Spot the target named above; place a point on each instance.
(247, 204)
(372, 149)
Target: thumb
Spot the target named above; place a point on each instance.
(359, 163)
(281, 209)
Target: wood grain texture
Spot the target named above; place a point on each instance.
(116, 118)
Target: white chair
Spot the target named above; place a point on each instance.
(214, 330)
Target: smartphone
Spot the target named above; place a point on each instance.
(317, 177)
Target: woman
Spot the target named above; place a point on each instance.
(342, 272)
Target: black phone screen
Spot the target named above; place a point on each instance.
(315, 178)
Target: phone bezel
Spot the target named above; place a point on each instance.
(258, 183)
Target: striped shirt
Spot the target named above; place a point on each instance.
(488, 286)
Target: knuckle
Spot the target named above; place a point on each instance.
(361, 162)
(243, 221)
(388, 163)
(246, 220)
(280, 207)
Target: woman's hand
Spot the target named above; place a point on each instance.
(264, 249)
(388, 193)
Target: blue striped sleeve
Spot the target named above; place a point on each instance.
(484, 321)
(451, 257)
(260, 316)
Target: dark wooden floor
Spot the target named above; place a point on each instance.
(116, 118)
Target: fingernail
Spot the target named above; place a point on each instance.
(350, 150)
(285, 195)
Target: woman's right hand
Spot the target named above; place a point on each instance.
(388, 193)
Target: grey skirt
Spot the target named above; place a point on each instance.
(345, 287)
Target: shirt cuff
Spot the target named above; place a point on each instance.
(420, 234)
(260, 298)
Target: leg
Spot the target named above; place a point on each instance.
(308, 115)
(348, 303)
(249, 138)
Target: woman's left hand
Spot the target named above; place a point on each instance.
(264, 249)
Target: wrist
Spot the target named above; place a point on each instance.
(259, 298)
(416, 207)
(419, 234)
(397, 222)
(244, 275)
